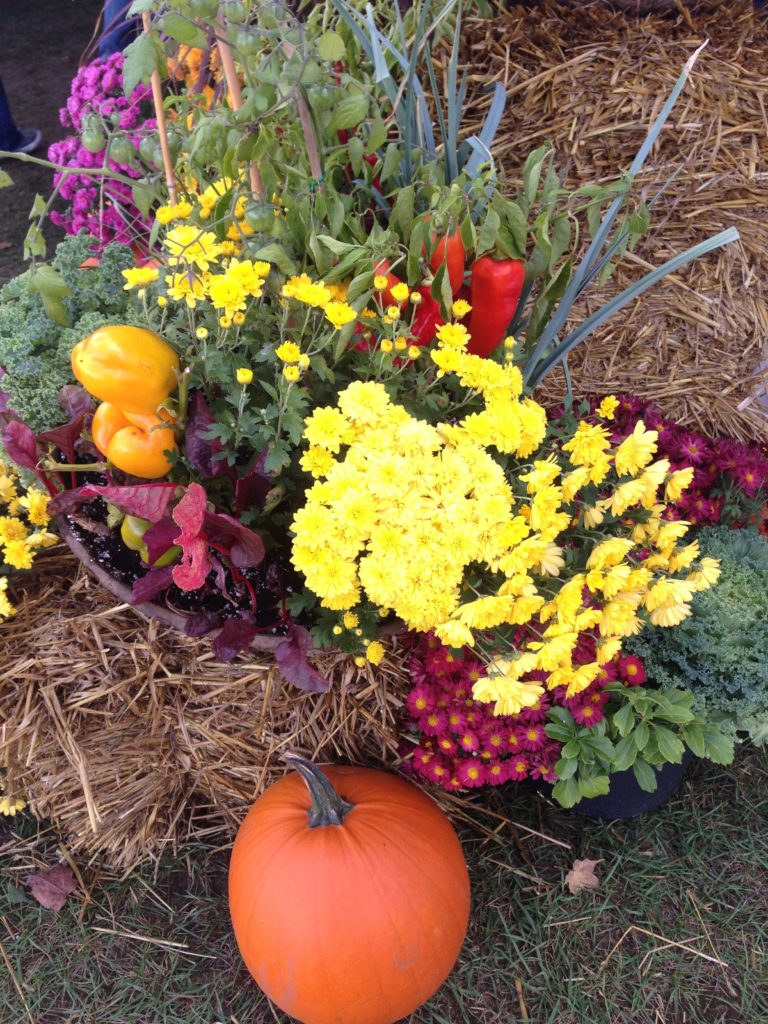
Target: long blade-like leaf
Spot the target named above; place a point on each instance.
(489, 129)
(560, 315)
(536, 370)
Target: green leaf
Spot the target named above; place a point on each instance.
(558, 732)
(600, 744)
(566, 792)
(641, 735)
(402, 213)
(595, 785)
(693, 735)
(468, 233)
(339, 248)
(625, 754)
(349, 112)
(572, 748)
(5, 179)
(486, 240)
(277, 457)
(718, 746)
(356, 148)
(624, 719)
(182, 30)
(645, 775)
(392, 160)
(34, 242)
(359, 285)
(143, 197)
(330, 46)
(139, 6)
(517, 223)
(670, 747)
(275, 253)
(343, 340)
(566, 767)
(532, 172)
(140, 62)
(38, 207)
(377, 136)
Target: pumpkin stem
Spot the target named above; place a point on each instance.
(328, 807)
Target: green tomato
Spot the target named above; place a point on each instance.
(204, 8)
(121, 150)
(247, 43)
(235, 12)
(93, 140)
(321, 97)
(259, 217)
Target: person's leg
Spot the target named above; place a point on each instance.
(10, 136)
(116, 31)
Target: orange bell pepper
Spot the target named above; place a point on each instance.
(133, 442)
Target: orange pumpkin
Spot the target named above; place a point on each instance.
(349, 895)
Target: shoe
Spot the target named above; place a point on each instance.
(30, 140)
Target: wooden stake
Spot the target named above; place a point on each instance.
(233, 84)
(157, 99)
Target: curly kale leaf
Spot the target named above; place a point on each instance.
(35, 349)
(719, 653)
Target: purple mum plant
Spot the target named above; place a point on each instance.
(102, 207)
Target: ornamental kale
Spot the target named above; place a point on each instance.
(719, 653)
(47, 310)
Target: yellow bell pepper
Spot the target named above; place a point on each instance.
(130, 367)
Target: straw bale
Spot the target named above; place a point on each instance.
(132, 739)
(590, 79)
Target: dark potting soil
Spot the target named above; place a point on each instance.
(272, 580)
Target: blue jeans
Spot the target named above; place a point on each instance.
(116, 31)
(10, 136)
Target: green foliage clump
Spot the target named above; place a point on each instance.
(720, 652)
(44, 312)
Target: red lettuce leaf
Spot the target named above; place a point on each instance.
(291, 658)
(147, 501)
(21, 444)
(234, 637)
(159, 538)
(199, 449)
(189, 514)
(244, 547)
(65, 437)
(253, 487)
(202, 623)
(153, 583)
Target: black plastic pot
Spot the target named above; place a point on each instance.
(626, 799)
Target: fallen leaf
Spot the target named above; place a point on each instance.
(582, 876)
(6, 245)
(51, 888)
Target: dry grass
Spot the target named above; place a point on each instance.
(131, 738)
(591, 79)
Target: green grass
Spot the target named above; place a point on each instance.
(696, 870)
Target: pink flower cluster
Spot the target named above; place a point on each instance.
(461, 744)
(720, 464)
(102, 207)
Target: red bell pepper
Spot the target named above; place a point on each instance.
(495, 288)
(427, 318)
(449, 249)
